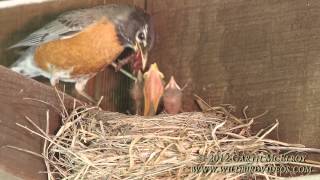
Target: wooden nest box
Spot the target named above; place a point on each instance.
(260, 54)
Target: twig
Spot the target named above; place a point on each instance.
(126, 73)
(45, 150)
(268, 132)
(24, 150)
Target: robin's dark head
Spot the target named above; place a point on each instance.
(135, 30)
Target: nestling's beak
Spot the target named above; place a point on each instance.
(144, 54)
(172, 97)
(172, 84)
(153, 90)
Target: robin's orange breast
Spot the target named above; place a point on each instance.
(85, 53)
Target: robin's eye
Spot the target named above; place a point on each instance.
(141, 36)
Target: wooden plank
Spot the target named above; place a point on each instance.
(262, 53)
(14, 88)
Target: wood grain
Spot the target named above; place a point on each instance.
(264, 54)
(14, 89)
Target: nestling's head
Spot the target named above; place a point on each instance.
(153, 89)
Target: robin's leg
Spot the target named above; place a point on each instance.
(80, 87)
(54, 81)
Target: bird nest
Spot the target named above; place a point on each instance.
(94, 144)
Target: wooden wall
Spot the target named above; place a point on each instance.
(260, 53)
(16, 94)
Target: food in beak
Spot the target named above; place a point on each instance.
(153, 90)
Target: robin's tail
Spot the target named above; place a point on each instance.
(25, 64)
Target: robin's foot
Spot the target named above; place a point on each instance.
(80, 88)
(54, 81)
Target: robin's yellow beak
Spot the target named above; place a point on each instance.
(144, 54)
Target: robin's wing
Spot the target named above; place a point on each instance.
(65, 26)
(70, 23)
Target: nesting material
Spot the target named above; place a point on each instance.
(94, 144)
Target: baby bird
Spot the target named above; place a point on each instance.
(136, 93)
(172, 97)
(153, 90)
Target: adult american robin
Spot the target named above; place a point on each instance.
(152, 90)
(80, 43)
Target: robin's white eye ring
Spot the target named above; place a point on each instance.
(141, 36)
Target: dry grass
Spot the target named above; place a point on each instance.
(94, 144)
